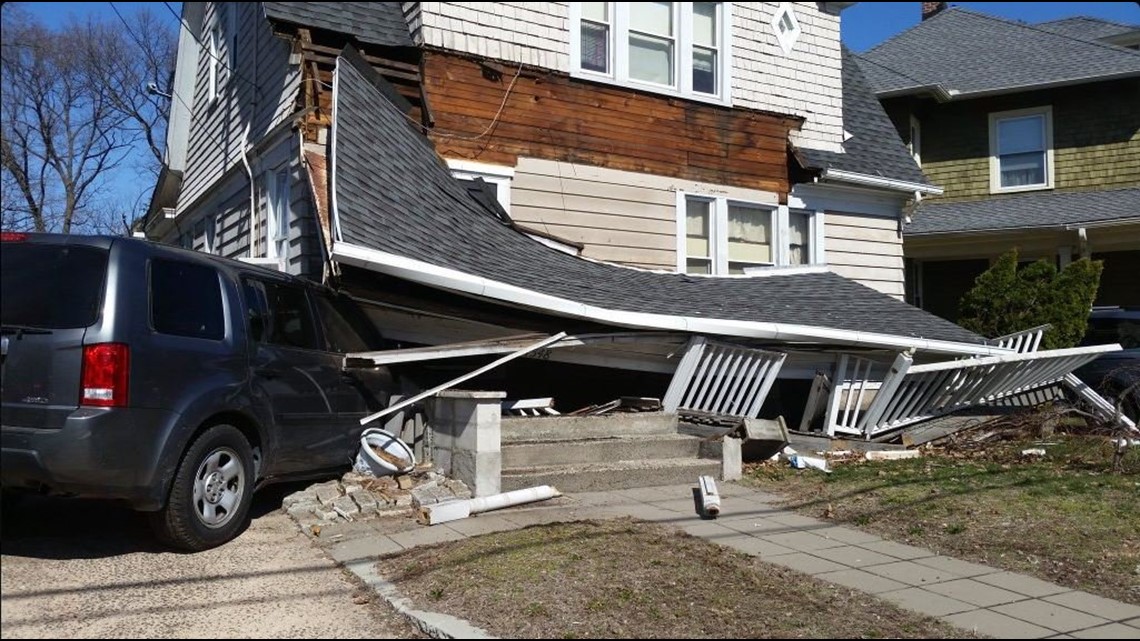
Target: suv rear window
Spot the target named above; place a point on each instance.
(186, 300)
(51, 286)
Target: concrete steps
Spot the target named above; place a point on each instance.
(587, 453)
(562, 428)
(603, 450)
(618, 475)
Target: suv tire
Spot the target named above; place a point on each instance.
(211, 492)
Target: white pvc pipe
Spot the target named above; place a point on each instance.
(516, 497)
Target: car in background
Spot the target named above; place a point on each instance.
(173, 380)
(1116, 375)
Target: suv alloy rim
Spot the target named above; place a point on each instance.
(218, 487)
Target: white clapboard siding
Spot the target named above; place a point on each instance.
(867, 249)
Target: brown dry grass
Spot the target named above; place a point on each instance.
(630, 579)
(1065, 518)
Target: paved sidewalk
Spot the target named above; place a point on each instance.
(976, 597)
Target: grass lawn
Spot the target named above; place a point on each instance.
(630, 579)
(1065, 518)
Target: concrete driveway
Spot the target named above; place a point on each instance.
(86, 569)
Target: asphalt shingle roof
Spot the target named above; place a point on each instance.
(378, 23)
(874, 147)
(394, 194)
(1087, 27)
(1020, 211)
(968, 52)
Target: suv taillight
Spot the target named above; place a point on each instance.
(106, 373)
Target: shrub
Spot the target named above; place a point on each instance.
(1006, 299)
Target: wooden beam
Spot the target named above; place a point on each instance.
(466, 377)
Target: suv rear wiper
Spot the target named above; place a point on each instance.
(20, 330)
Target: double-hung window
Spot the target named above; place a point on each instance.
(676, 48)
(720, 236)
(1021, 150)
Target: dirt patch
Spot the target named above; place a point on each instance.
(630, 579)
(1065, 516)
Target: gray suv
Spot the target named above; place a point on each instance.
(174, 380)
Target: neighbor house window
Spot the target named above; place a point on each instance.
(278, 217)
(678, 48)
(915, 144)
(1021, 150)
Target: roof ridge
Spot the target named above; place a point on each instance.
(1036, 28)
(1091, 19)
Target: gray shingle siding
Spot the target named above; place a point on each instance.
(394, 194)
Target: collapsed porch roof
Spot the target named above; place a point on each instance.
(398, 211)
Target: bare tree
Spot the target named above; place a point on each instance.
(73, 106)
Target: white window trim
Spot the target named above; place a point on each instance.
(786, 40)
(276, 219)
(915, 145)
(213, 74)
(995, 164)
(719, 241)
(500, 175)
(682, 63)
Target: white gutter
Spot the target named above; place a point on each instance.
(441, 277)
(941, 94)
(1131, 220)
(879, 181)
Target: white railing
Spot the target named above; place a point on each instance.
(914, 393)
(1024, 341)
(723, 379)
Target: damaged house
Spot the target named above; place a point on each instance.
(705, 197)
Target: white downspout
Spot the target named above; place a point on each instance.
(252, 194)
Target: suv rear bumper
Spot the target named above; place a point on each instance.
(99, 453)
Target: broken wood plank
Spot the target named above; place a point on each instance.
(466, 377)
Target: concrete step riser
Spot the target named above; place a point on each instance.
(549, 428)
(603, 451)
(593, 480)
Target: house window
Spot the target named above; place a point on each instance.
(915, 144)
(213, 65)
(1021, 150)
(278, 217)
(676, 48)
(720, 236)
(786, 26)
(497, 176)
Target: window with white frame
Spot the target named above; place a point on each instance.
(213, 64)
(497, 177)
(786, 26)
(720, 236)
(278, 216)
(915, 144)
(679, 48)
(1021, 150)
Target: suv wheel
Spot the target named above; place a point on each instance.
(210, 496)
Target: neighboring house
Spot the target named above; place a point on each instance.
(1033, 132)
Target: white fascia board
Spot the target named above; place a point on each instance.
(453, 280)
(879, 181)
